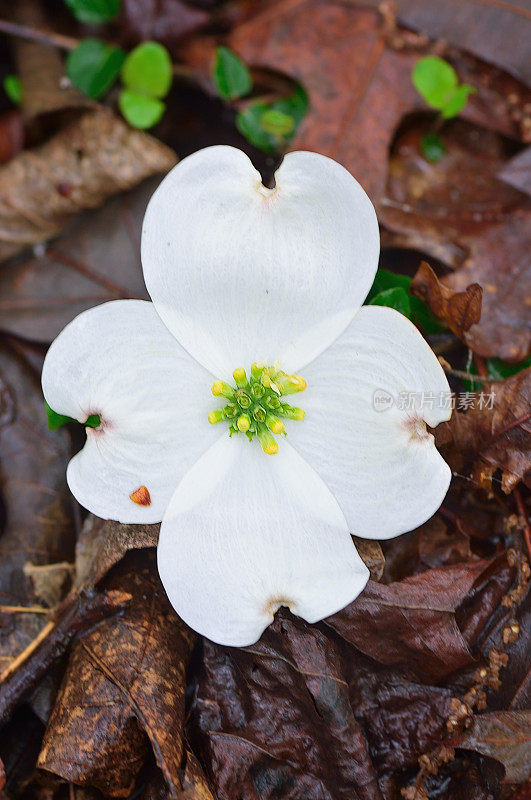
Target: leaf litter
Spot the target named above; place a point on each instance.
(420, 687)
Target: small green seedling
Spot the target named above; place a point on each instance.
(147, 76)
(146, 72)
(231, 77)
(93, 66)
(392, 290)
(269, 126)
(438, 83)
(13, 89)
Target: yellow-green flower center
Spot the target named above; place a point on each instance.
(255, 406)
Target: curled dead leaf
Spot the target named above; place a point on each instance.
(459, 310)
(125, 680)
(505, 736)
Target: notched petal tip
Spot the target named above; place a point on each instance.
(278, 538)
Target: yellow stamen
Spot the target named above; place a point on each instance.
(243, 423)
(275, 424)
(240, 377)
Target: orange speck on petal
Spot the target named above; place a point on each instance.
(141, 496)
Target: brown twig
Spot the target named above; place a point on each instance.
(69, 43)
(79, 611)
(36, 35)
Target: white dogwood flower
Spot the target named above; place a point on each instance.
(270, 282)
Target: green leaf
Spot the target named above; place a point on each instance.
(499, 370)
(94, 66)
(419, 313)
(396, 298)
(56, 420)
(230, 75)
(139, 110)
(435, 80)
(432, 147)
(148, 70)
(250, 122)
(276, 122)
(457, 102)
(13, 88)
(423, 317)
(94, 12)
(385, 279)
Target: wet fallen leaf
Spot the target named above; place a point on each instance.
(274, 720)
(95, 157)
(493, 438)
(401, 718)
(125, 679)
(38, 524)
(460, 310)
(412, 622)
(505, 736)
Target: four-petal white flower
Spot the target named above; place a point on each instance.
(239, 273)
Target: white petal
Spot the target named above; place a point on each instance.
(118, 360)
(387, 478)
(241, 273)
(245, 533)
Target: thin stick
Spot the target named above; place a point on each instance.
(70, 43)
(36, 35)
(78, 612)
(24, 610)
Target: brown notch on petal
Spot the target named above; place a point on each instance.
(141, 496)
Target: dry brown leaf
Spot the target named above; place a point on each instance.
(195, 784)
(493, 438)
(370, 551)
(125, 678)
(103, 543)
(97, 259)
(96, 156)
(460, 310)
